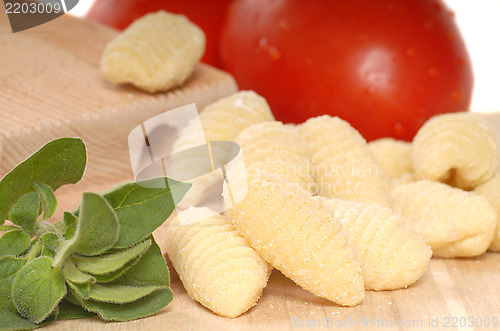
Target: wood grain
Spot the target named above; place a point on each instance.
(50, 87)
(450, 288)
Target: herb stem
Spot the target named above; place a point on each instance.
(63, 253)
(44, 227)
(34, 251)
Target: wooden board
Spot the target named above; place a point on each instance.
(50, 87)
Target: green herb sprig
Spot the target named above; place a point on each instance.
(98, 260)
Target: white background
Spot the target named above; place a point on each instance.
(479, 22)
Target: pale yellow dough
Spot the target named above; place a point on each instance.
(296, 235)
(391, 254)
(491, 190)
(344, 167)
(455, 223)
(278, 149)
(221, 121)
(393, 156)
(157, 52)
(215, 263)
(459, 149)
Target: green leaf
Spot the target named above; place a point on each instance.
(120, 293)
(11, 320)
(111, 276)
(49, 244)
(150, 270)
(50, 240)
(81, 291)
(128, 311)
(69, 310)
(14, 242)
(37, 289)
(9, 266)
(103, 264)
(143, 206)
(47, 198)
(47, 252)
(25, 211)
(97, 229)
(69, 221)
(61, 161)
(8, 227)
(73, 274)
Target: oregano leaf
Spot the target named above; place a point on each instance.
(143, 206)
(12, 320)
(69, 220)
(73, 274)
(25, 211)
(150, 270)
(14, 242)
(106, 263)
(98, 226)
(81, 291)
(69, 310)
(61, 161)
(111, 276)
(37, 289)
(8, 227)
(120, 293)
(50, 240)
(9, 266)
(143, 307)
(47, 199)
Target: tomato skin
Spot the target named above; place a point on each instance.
(385, 66)
(208, 16)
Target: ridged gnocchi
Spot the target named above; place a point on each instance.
(344, 167)
(393, 156)
(157, 52)
(221, 121)
(459, 149)
(278, 149)
(291, 231)
(391, 254)
(455, 223)
(215, 263)
(491, 190)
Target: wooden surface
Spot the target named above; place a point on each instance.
(460, 288)
(50, 87)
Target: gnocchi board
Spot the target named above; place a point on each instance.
(50, 87)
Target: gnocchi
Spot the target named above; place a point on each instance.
(459, 149)
(157, 52)
(491, 190)
(292, 232)
(455, 223)
(391, 254)
(344, 167)
(221, 121)
(277, 149)
(393, 156)
(215, 263)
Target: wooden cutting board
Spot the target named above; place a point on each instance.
(50, 87)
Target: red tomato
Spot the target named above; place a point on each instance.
(207, 15)
(385, 66)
